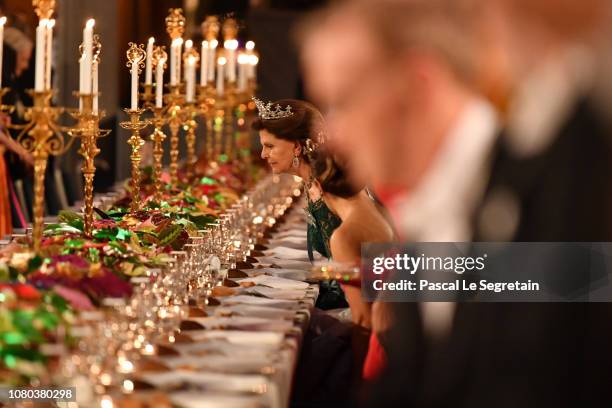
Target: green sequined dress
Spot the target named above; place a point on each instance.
(321, 224)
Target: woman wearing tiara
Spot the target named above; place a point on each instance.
(341, 214)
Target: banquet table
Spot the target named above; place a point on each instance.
(243, 353)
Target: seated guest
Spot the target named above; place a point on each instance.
(341, 217)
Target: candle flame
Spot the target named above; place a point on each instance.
(43, 22)
(2, 20)
(191, 60)
(51, 23)
(90, 23)
(151, 40)
(188, 44)
(214, 43)
(243, 59)
(230, 44)
(254, 59)
(177, 42)
(250, 45)
(205, 44)
(221, 60)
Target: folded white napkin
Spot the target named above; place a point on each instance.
(197, 399)
(285, 263)
(243, 323)
(238, 337)
(293, 274)
(276, 282)
(255, 311)
(285, 294)
(287, 253)
(254, 300)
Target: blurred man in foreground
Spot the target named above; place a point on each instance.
(401, 80)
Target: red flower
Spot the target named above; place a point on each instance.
(26, 292)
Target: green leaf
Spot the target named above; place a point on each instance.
(207, 181)
(93, 255)
(122, 234)
(169, 234)
(74, 243)
(34, 263)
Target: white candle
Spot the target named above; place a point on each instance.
(81, 77)
(188, 46)
(179, 59)
(2, 22)
(220, 75)
(48, 58)
(230, 49)
(252, 73)
(243, 63)
(204, 63)
(175, 61)
(135, 85)
(149, 62)
(87, 56)
(159, 83)
(212, 59)
(94, 86)
(190, 79)
(41, 35)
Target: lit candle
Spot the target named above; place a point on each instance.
(188, 47)
(134, 70)
(220, 75)
(159, 82)
(2, 23)
(212, 59)
(250, 47)
(149, 63)
(48, 59)
(204, 63)
(243, 64)
(190, 78)
(175, 61)
(87, 54)
(39, 75)
(230, 48)
(253, 67)
(94, 86)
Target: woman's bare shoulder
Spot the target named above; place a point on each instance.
(345, 242)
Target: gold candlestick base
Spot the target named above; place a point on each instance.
(158, 138)
(175, 102)
(136, 142)
(42, 137)
(88, 130)
(191, 125)
(206, 105)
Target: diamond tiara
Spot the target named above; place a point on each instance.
(267, 111)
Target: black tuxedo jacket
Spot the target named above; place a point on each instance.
(521, 354)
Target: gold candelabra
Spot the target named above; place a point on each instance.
(135, 125)
(42, 136)
(135, 61)
(88, 130)
(206, 104)
(190, 139)
(174, 119)
(158, 138)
